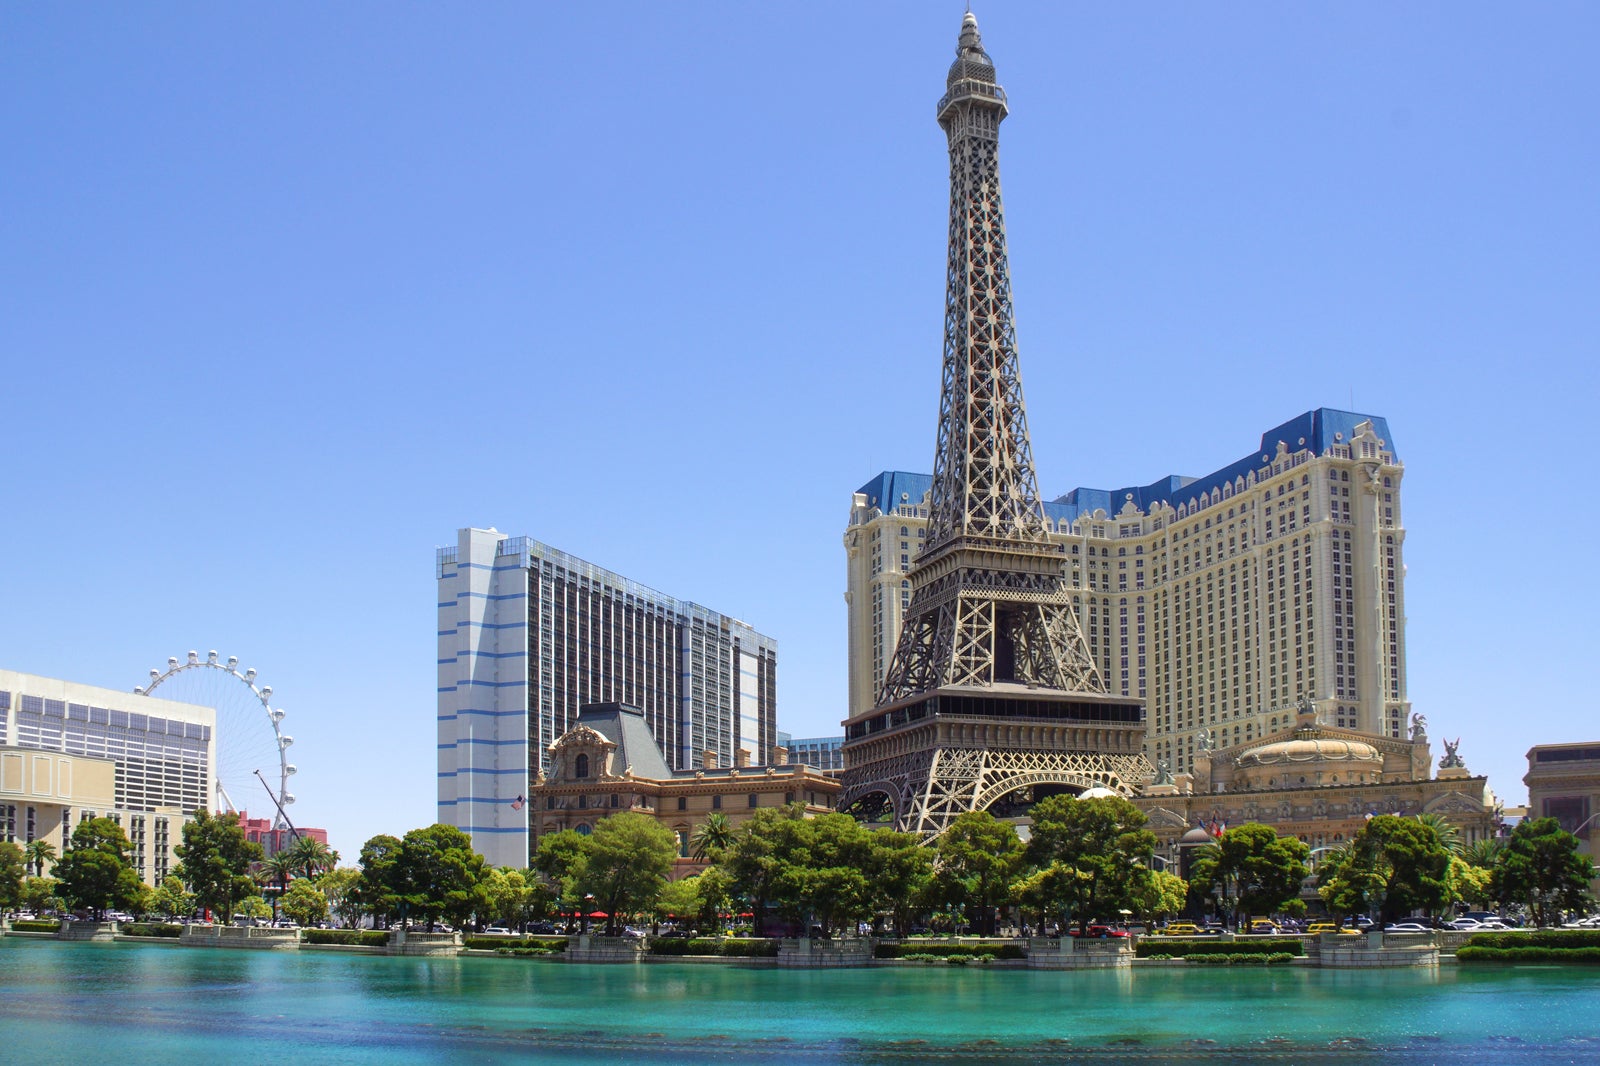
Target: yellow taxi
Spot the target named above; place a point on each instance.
(1181, 929)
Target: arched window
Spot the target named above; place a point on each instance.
(580, 766)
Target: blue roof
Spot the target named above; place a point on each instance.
(897, 487)
(1317, 429)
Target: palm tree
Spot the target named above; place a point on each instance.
(276, 870)
(312, 857)
(713, 837)
(1448, 834)
(1484, 854)
(37, 853)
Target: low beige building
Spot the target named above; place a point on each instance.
(1319, 784)
(1564, 783)
(609, 762)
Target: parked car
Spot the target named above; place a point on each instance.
(1180, 929)
(497, 930)
(1100, 932)
(1262, 925)
(1466, 925)
(1318, 928)
(1405, 927)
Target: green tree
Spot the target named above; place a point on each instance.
(253, 907)
(713, 890)
(1104, 841)
(1540, 868)
(1470, 884)
(761, 862)
(38, 852)
(629, 857)
(440, 875)
(13, 867)
(1394, 866)
(340, 886)
(558, 858)
(509, 896)
(214, 861)
(901, 872)
(39, 895)
(1260, 870)
(1162, 896)
(832, 884)
(975, 860)
(379, 889)
(678, 900)
(304, 903)
(96, 875)
(712, 837)
(171, 899)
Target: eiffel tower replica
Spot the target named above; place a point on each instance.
(992, 696)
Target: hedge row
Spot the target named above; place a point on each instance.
(1239, 958)
(35, 925)
(1146, 949)
(946, 951)
(372, 938)
(156, 929)
(983, 958)
(542, 944)
(1474, 953)
(747, 949)
(1538, 938)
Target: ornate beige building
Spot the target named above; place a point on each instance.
(608, 762)
(1220, 601)
(1319, 783)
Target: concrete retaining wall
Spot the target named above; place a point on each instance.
(240, 936)
(87, 931)
(824, 954)
(1073, 953)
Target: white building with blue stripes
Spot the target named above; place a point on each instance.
(529, 634)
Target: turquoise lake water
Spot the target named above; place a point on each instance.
(122, 1003)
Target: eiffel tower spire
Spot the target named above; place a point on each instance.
(989, 602)
(990, 654)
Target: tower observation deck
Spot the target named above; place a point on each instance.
(992, 696)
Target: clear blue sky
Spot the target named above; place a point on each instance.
(291, 292)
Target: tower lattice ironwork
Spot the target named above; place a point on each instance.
(992, 690)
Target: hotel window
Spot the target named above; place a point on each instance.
(754, 799)
(683, 803)
(716, 803)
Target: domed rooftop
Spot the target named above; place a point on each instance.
(1198, 835)
(1304, 750)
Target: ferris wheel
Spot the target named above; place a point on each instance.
(248, 737)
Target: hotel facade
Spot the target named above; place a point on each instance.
(528, 635)
(1221, 601)
(70, 752)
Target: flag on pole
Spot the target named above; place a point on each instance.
(517, 803)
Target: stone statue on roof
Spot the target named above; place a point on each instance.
(1419, 726)
(1452, 758)
(1206, 740)
(1163, 772)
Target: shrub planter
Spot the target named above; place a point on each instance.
(87, 931)
(1073, 953)
(807, 953)
(412, 942)
(587, 947)
(1377, 950)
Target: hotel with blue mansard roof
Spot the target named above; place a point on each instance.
(1220, 601)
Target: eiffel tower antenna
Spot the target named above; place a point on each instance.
(992, 689)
